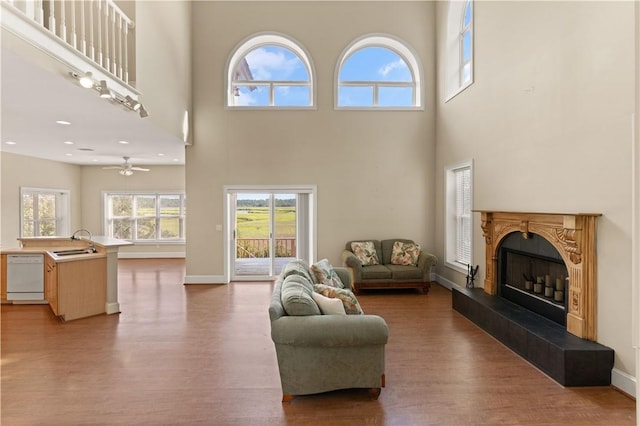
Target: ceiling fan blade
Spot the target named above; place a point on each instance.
(112, 167)
(140, 169)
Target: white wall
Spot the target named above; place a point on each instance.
(373, 169)
(17, 171)
(548, 123)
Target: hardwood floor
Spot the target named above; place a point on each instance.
(202, 354)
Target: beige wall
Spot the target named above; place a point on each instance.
(17, 171)
(548, 124)
(163, 61)
(373, 169)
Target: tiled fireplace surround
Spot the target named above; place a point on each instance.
(570, 356)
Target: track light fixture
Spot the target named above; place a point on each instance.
(132, 103)
(86, 80)
(105, 93)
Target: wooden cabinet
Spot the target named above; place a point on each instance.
(76, 289)
(51, 283)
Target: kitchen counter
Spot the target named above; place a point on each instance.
(76, 285)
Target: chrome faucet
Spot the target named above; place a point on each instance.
(91, 247)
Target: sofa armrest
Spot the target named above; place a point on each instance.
(330, 330)
(345, 276)
(426, 261)
(350, 260)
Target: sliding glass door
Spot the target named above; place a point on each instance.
(265, 234)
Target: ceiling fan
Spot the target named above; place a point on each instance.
(126, 168)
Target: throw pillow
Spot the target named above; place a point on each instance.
(349, 301)
(405, 253)
(327, 305)
(323, 273)
(366, 252)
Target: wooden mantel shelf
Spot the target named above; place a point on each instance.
(573, 235)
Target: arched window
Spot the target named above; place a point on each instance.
(270, 71)
(378, 71)
(459, 45)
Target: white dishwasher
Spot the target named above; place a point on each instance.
(25, 277)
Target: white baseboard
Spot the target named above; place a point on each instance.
(112, 308)
(445, 282)
(152, 255)
(623, 381)
(205, 279)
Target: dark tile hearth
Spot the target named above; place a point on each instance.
(567, 359)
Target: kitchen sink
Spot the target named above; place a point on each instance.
(73, 252)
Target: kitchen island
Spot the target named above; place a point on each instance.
(80, 275)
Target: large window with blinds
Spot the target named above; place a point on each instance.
(458, 229)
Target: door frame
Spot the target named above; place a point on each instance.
(228, 217)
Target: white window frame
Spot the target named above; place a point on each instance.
(158, 240)
(454, 64)
(272, 39)
(452, 217)
(397, 46)
(62, 215)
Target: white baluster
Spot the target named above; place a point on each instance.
(74, 35)
(52, 18)
(114, 65)
(99, 20)
(83, 34)
(63, 22)
(120, 48)
(92, 48)
(29, 9)
(126, 53)
(107, 63)
(39, 12)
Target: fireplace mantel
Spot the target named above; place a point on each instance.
(573, 235)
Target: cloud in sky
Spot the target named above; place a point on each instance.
(387, 68)
(272, 64)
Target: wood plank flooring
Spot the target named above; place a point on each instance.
(202, 354)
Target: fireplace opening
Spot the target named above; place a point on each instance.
(531, 273)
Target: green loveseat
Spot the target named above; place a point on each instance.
(319, 353)
(385, 274)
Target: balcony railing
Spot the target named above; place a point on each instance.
(97, 29)
(259, 247)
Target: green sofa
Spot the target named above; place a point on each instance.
(385, 274)
(319, 353)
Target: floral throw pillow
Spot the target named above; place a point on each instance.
(323, 273)
(405, 253)
(366, 252)
(349, 301)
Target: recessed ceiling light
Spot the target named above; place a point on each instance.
(123, 142)
(64, 123)
(68, 154)
(95, 160)
(10, 143)
(68, 143)
(176, 160)
(160, 154)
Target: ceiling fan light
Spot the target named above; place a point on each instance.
(126, 172)
(143, 112)
(105, 93)
(86, 80)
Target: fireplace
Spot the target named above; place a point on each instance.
(532, 274)
(573, 236)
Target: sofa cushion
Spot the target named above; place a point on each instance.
(296, 296)
(349, 301)
(328, 305)
(387, 248)
(297, 267)
(366, 252)
(376, 272)
(405, 253)
(405, 272)
(323, 273)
